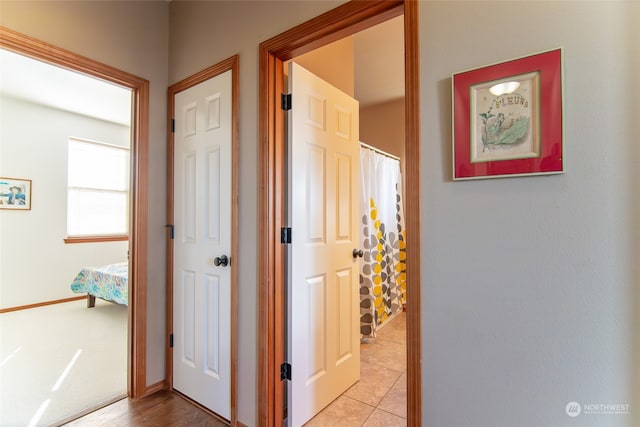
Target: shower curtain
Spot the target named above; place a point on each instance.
(382, 268)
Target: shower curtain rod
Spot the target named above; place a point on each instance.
(377, 150)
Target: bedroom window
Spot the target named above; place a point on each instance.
(97, 192)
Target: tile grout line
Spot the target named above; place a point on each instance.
(387, 393)
(368, 416)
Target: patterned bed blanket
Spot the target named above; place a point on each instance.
(108, 282)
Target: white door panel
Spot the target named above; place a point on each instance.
(324, 344)
(202, 214)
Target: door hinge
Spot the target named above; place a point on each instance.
(285, 101)
(173, 125)
(285, 371)
(171, 341)
(170, 230)
(285, 235)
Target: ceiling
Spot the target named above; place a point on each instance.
(378, 64)
(42, 83)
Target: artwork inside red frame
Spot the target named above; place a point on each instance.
(509, 132)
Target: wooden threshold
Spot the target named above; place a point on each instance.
(45, 52)
(164, 408)
(340, 22)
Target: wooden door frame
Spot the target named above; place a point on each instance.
(331, 26)
(230, 64)
(137, 309)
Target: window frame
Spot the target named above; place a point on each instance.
(96, 238)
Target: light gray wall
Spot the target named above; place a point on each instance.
(132, 36)
(35, 263)
(530, 285)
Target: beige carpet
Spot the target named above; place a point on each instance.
(60, 360)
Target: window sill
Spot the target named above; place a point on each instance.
(95, 239)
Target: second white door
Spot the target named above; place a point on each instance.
(323, 322)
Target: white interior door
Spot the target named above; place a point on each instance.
(202, 240)
(323, 336)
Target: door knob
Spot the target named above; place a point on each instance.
(221, 261)
(357, 253)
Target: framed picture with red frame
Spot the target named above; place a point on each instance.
(508, 118)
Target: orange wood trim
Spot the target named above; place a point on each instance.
(154, 388)
(233, 64)
(340, 22)
(33, 48)
(412, 212)
(343, 21)
(206, 74)
(235, 206)
(280, 253)
(168, 368)
(95, 239)
(41, 304)
(266, 242)
(138, 243)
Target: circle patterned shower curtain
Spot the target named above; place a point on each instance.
(383, 240)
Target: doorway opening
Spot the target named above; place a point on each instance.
(137, 236)
(329, 27)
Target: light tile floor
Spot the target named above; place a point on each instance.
(380, 397)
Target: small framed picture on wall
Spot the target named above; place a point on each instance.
(15, 193)
(508, 118)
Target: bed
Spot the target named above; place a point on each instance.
(108, 282)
